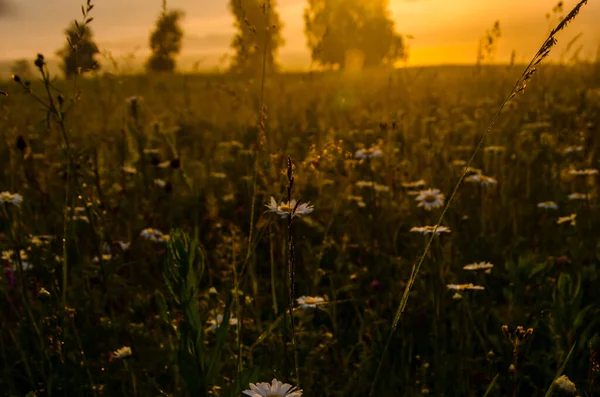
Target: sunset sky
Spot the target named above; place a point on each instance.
(445, 31)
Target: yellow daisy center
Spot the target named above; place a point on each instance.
(430, 198)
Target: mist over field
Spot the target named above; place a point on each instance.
(292, 198)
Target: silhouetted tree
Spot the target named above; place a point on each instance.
(79, 52)
(340, 31)
(165, 41)
(259, 30)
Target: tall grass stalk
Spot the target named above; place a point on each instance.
(518, 87)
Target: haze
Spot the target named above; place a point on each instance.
(445, 32)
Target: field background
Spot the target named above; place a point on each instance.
(216, 144)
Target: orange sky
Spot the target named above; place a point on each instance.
(445, 31)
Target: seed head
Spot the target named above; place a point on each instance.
(39, 61)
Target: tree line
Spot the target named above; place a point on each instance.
(339, 34)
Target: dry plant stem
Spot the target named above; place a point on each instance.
(517, 88)
(516, 370)
(292, 264)
(261, 112)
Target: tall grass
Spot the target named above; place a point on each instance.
(180, 249)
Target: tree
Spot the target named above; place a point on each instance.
(79, 52)
(340, 32)
(165, 41)
(259, 30)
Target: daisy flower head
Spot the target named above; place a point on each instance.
(420, 184)
(121, 353)
(573, 149)
(548, 205)
(481, 179)
(127, 169)
(310, 302)
(154, 235)
(564, 219)
(11, 198)
(216, 323)
(459, 163)
(585, 172)
(494, 149)
(275, 389)
(430, 198)
(284, 209)
(464, 287)
(479, 266)
(368, 153)
(564, 384)
(579, 196)
(429, 229)
(372, 185)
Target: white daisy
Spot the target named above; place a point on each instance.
(128, 169)
(105, 257)
(414, 185)
(430, 229)
(430, 198)
(549, 205)
(160, 183)
(310, 302)
(459, 163)
(463, 287)
(457, 296)
(10, 256)
(481, 179)
(358, 200)
(123, 352)
(573, 149)
(12, 198)
(579, 196)
(218, 175)
(494, 149)
(284, 209)
(38, 241)
(479, 266)
(381, 188)
(275, 389)
(216, 323)
(564, 219)
(368, 153)
(153, 235)
(585, 172)
(564, 383)
(123, 245)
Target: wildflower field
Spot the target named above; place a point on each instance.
(189, 235)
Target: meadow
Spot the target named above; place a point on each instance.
(144, 256)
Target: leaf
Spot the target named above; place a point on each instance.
(491, 386)
(560, 371)
(222, 333)
(162, 307)
(538, 269)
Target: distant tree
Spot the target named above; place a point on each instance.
(79, 52)
(259, 30)
(165, 41)
(22, 68)
(338, 31)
